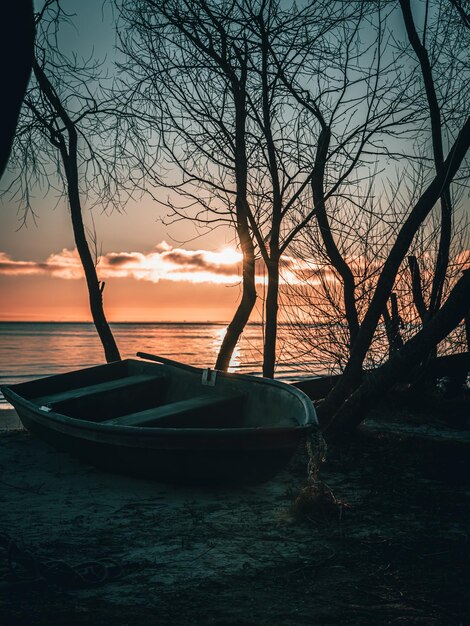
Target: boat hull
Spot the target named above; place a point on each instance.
(202, 456)
(216, 462)
(188, 466)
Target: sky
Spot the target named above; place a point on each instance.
(152, 272)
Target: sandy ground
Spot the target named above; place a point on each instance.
(235, 556)
(57, 507)
(176, 533)
(9, 420)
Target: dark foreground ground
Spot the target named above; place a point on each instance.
(395, 550)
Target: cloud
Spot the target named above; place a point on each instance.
(162, 263)
(123, 258)
(65, 264)
(174, 264)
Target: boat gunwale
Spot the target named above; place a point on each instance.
(259, 380)
(301, 395)
(81, 424)
(311, 421)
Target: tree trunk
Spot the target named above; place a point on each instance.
(377, 383)
(94, 291)
(69, 159)
(442, 260)
(335, 256)
(272, 306)
(417, 289)
(243, 312)
(272, 257)
(392, 325)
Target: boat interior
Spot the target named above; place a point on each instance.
(139, 393)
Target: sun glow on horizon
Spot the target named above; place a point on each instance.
(163, 284)
(227, 256)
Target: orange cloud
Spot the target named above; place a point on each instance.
(164, 263)
(65, 264)
(174, 264)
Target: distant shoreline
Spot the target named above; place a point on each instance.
(89, 323)
(160, 323)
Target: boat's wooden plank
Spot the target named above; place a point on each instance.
(74, 380)
(108, 386)
(176, 414)
(106, 404)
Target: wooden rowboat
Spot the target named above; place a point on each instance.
(168, 421)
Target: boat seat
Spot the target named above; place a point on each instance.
(206, 411)
(99, 388)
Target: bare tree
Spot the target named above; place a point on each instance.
(352, 410)
(256, 104)
(188, 79)
(58, 136)
(437, 111)
(390, 269)
(437, 140)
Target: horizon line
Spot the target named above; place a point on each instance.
(169, 322)
(23, 321)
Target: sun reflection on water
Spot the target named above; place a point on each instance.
(219, 335)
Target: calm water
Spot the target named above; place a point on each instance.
(30, 350)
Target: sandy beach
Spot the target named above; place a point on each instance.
(9, 420)
(241, 556)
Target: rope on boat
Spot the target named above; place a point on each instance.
(25, 567)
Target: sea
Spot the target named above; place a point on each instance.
(30, 350)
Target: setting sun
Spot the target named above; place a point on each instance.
(228, 256)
